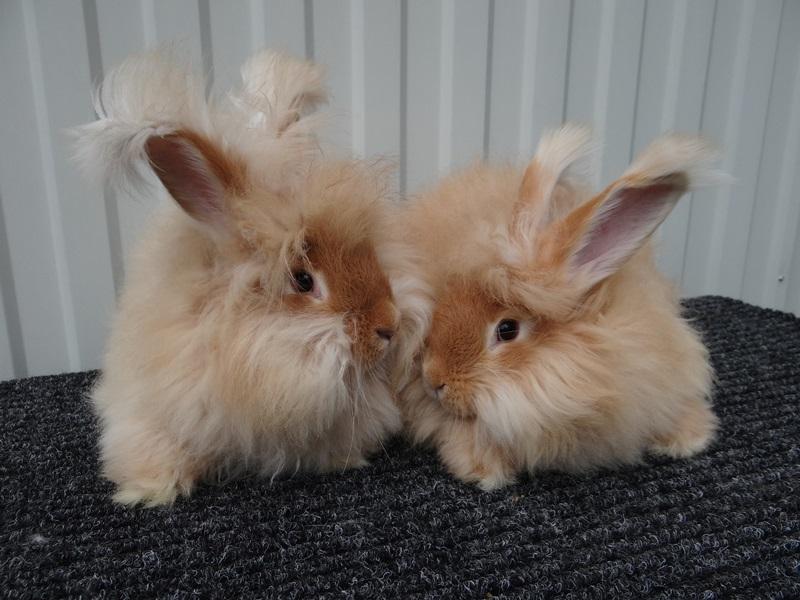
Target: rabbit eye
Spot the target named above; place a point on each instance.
(507, 330)
(303, 281)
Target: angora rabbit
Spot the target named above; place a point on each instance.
(554, 342)
(253, 329)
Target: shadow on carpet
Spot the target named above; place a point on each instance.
(726, 523)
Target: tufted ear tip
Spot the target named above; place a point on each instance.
(562, 162)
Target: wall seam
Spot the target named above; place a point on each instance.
(51, 193)
(757, 182)
(487, 100)
(8, 297)
(700, 128)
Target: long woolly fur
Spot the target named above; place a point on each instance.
(269, 120)
(599, 376)
(277, 93)
(207, 372)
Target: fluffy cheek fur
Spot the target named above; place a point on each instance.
(465, 446)
(587, 397)
(234, 393)
(209, 370)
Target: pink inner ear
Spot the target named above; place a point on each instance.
(188, 177)
(621, 226)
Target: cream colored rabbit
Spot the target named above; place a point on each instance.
(253, 329)
(554, 342)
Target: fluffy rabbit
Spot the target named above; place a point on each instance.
(253, 329)
(554, 343)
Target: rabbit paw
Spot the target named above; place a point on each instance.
(488, 473)
(474, 459)
(149, 494)
(489, 480)
(153, 474)
(356, 461)
(693, 435)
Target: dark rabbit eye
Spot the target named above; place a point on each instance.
(303, 281)
(507, 330)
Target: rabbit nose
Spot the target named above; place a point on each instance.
(385, 333)
(434, 385)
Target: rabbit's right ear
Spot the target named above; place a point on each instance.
(562, 163)
(198, 175)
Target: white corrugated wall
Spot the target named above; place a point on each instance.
(433, 84)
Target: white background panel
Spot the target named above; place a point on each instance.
(737, 93)
(430, 86)
(333, 32)
(423, 94)
(378, 83)
(285, 26)
(672, 74)
(236, 29)
(37, 268)
(464, 68)
(774, 224)
(63, 78)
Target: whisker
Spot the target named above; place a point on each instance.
(352, 440)
(354, 408)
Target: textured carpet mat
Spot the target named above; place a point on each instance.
(725, 524)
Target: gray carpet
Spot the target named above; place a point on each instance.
(725, 524)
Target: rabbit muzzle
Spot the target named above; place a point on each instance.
(371, 331)
(451, 391)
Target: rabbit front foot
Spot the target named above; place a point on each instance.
(148, 494)
(161, 488)
(151, 472)
(694, 433)
(473, 459)
(487, 472)
(493, 478)
(356, 461)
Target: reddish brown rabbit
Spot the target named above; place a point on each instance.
(554, 342)
(256, 319)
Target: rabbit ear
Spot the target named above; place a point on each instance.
(197, 174)
(278, 91)
(604, 233)
(597, 238)
(561, 163)
(149, 94)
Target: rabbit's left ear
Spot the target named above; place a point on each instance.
(562, 163)
(197, 174)
(596, 239)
